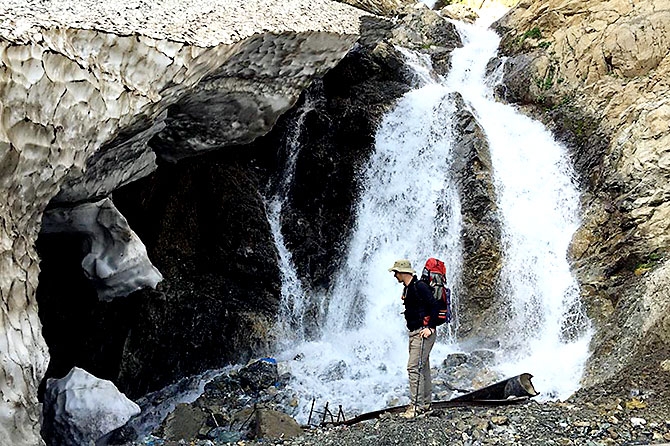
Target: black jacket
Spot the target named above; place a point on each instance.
(420, 305)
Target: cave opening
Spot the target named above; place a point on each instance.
(202, 222)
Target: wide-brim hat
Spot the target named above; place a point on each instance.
(402, 266)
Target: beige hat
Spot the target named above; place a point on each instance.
(402, 266)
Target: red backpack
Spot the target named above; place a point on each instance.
(435, 275)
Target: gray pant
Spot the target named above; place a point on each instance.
(418, 368)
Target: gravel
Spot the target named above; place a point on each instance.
(616, 422)
(631, 409)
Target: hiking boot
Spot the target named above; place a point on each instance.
(411, 412)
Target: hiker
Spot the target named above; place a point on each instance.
(421, 316)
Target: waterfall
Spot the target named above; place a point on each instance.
(293, 298)
(410, 208)
(538, 203)
(360, 360)
(396, 217)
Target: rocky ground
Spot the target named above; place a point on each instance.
(631, 410)
(245, 408)
(616, 422)
(581, 423)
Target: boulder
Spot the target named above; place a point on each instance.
(260, 374)
(184, 423)
(272, 424)
(454, 360)
(421, 29)
(79, 409)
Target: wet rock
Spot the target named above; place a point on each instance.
(184, 423)
(259, 374)
(274, 424)
(336, 140)
(481, 228)
(334, 371)
(422, 29)
(462, 374)
(223, 435)
(485, 357)
(455, 359)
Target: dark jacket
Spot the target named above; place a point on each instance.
(420, 305)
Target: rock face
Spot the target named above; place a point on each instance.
(598, 73)
(336, 140)
(481, 227)
(84, 85)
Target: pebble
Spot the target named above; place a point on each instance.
(637, 422)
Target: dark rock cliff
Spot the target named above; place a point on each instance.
(201, 221)
(481, 227)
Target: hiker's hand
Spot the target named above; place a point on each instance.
(426, 332)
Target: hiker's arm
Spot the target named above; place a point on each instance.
(430, 306)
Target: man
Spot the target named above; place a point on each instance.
(420, 315)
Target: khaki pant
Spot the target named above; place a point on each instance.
(418, 369)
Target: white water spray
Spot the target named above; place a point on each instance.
(410, 208)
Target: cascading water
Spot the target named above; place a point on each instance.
(293, 302)
(539, 205)
(410, 208)
(360, 360)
